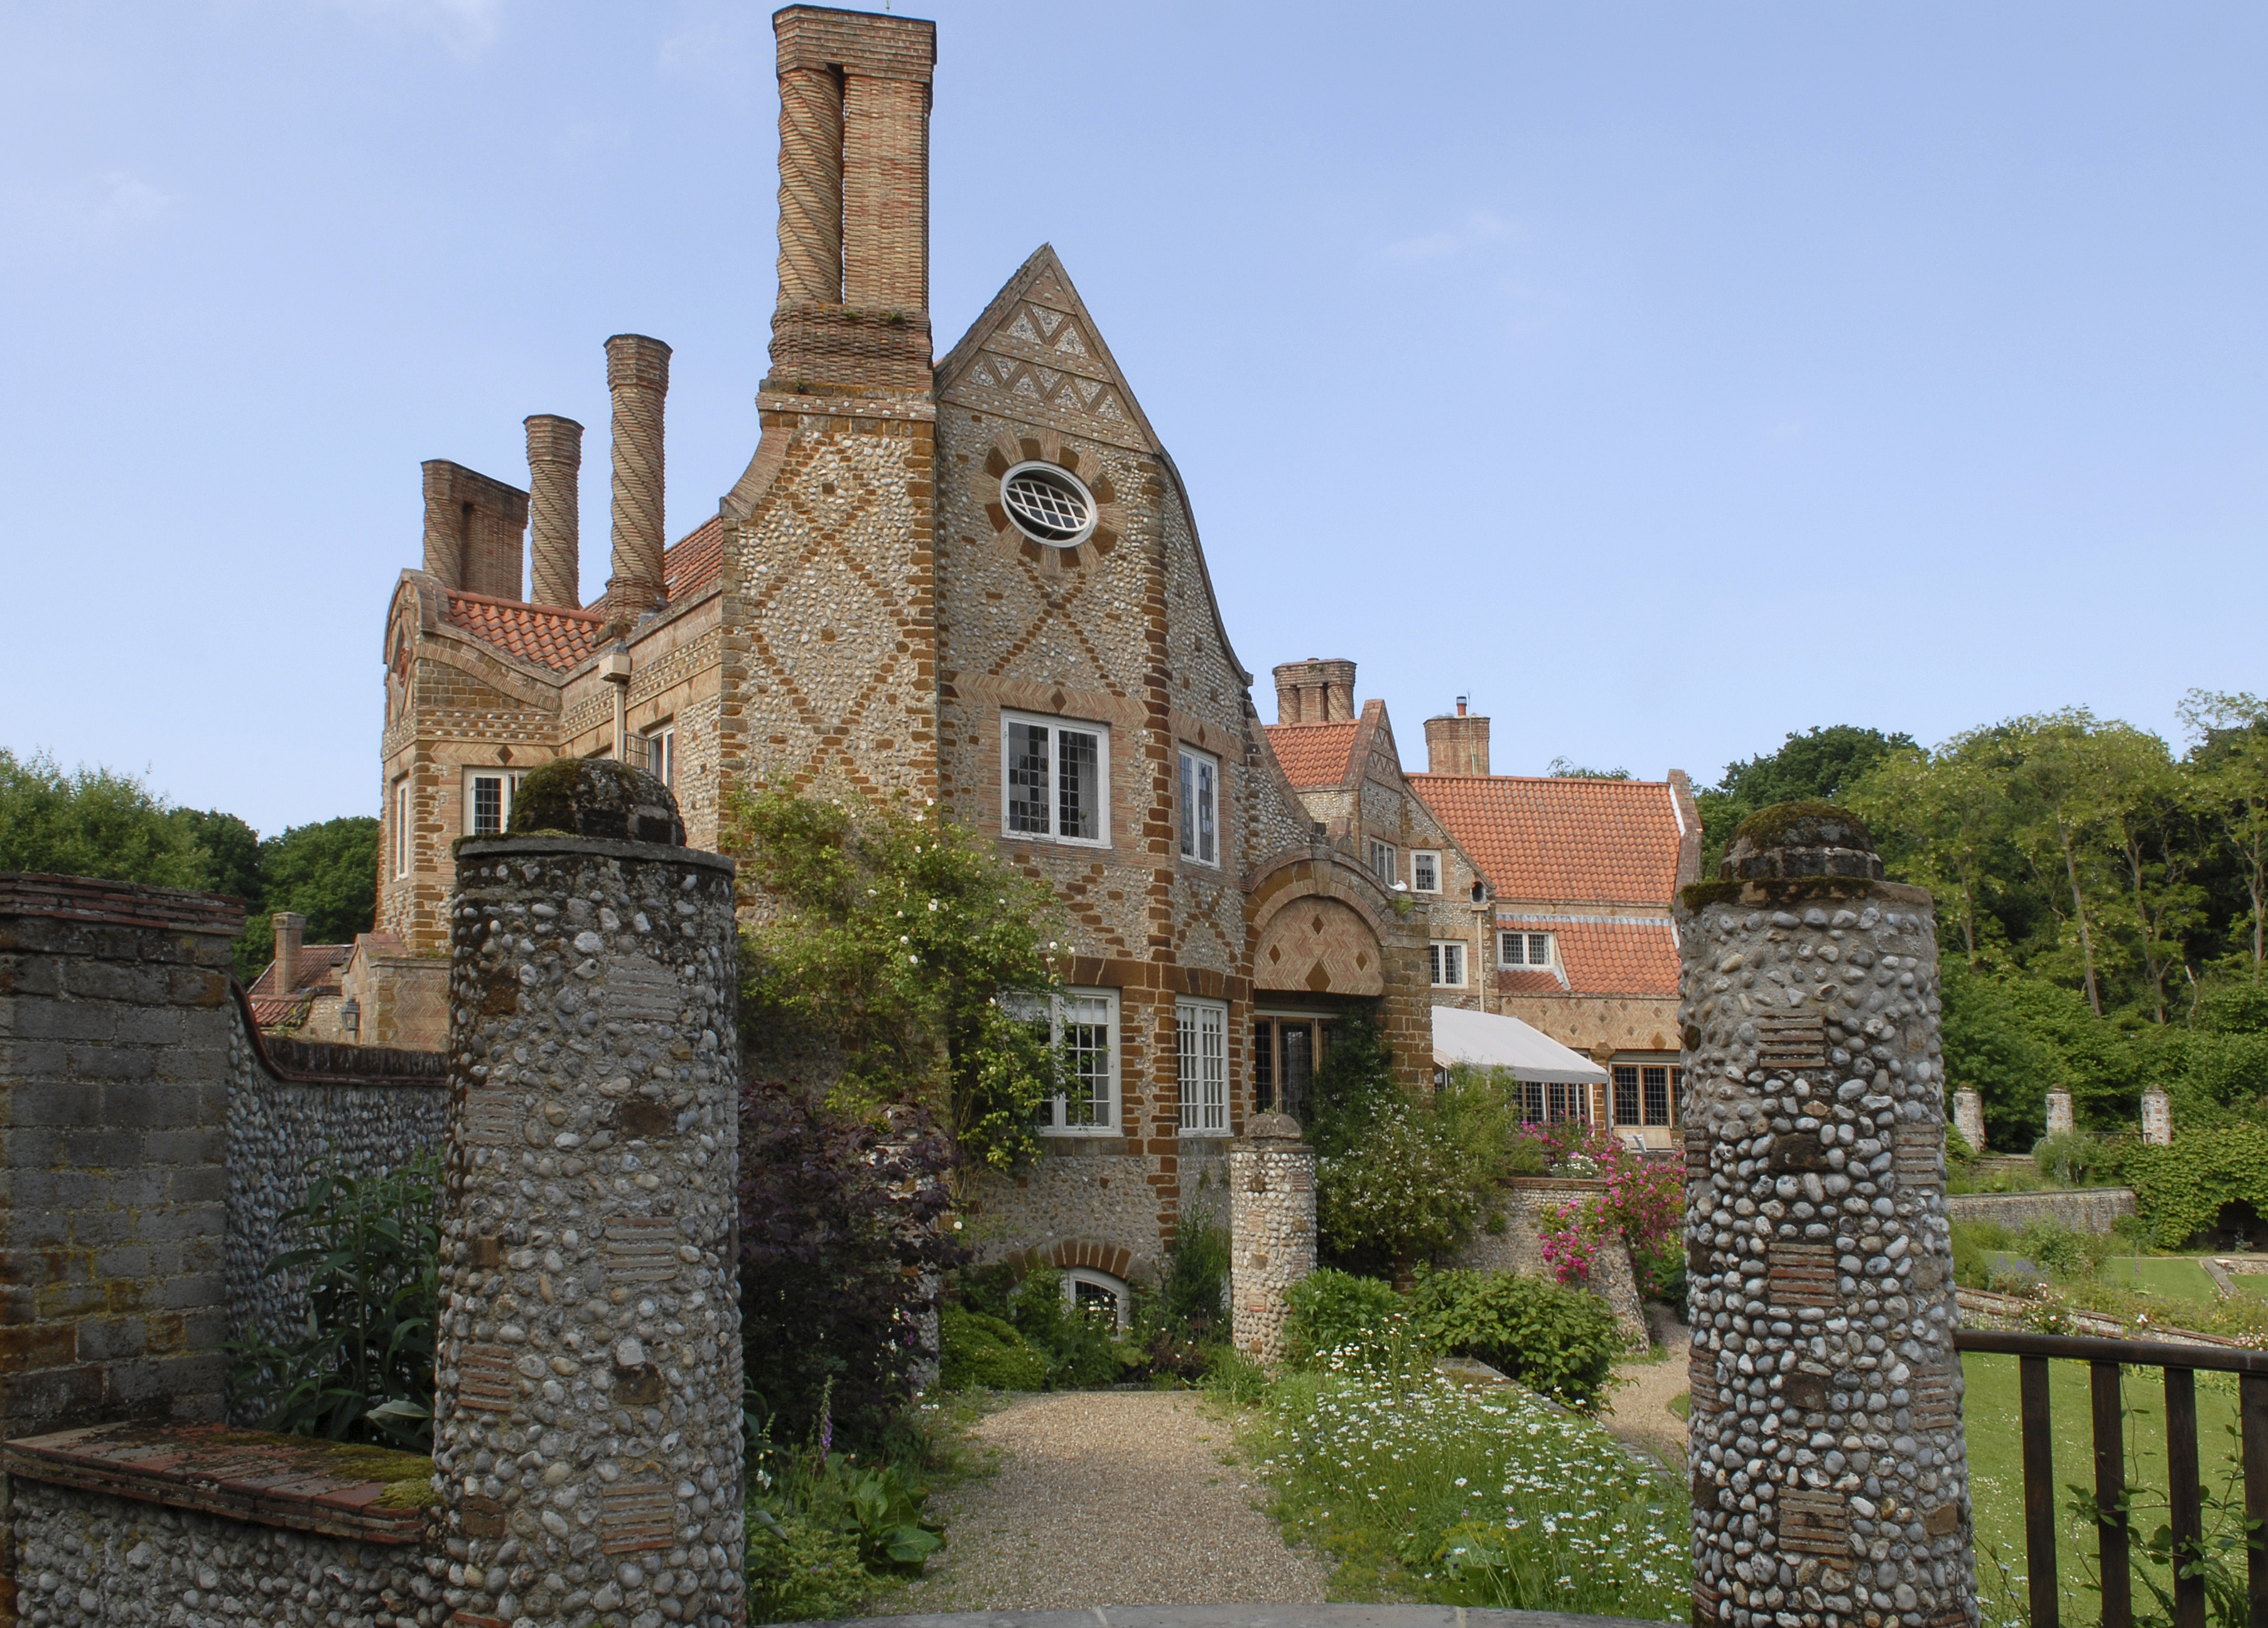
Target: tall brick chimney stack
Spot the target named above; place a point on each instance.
(1314, 691)
(637, 378)
(1457, 745)
(853, 312)
(291, 929)
(473, 528)
(555, 464)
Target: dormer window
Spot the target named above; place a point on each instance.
(1523, 950)
(1048, 503)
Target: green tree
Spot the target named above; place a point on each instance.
(1948, 814)
(2230, 769)
(1820, 766)
(231, 852)
(894, 945)
(327, 872)
(93, 822)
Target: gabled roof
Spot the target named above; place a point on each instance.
(1313, 754)
(1562, 840)
(695, 561)
(1600, 955)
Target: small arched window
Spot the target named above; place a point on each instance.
(1086, 1289)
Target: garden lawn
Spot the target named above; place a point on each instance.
(1993, 1417)
(1420, 1487)
(2175, 1277)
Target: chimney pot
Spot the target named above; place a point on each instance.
(555, 468)
(638, 379)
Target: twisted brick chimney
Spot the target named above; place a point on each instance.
(637, 378)
(555, 464)
(853, 312)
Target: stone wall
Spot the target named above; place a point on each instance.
(128, 1527)
(2086, 1210)
(291, 1104)
(1271, 1226)
(1519, 1249)
(1088, 1190)
(115, 1020)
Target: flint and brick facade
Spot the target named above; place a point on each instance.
(863, 613)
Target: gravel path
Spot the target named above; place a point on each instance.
(1108, 1498)
(1639, 1412)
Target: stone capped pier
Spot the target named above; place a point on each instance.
(586, 1420)
(1272, 1230)
(1829, 1478)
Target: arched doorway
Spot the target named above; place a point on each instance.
(1317, 959)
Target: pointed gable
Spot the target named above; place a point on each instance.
(1037, 354)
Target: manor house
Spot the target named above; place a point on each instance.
(975, 579)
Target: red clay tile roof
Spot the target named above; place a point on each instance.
(695, 561)
(547, 635)
(1600, 956)
(315, 971)
(287, 1013)
(558, 637)
(1313, 754)
(1561, 840)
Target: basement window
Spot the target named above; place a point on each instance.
(1048, 503)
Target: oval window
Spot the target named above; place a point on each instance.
(1048, 503)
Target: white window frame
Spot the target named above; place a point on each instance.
(1114, 1287)
(1444, 955)
(1384, 863)
(510, 778)
(1201, 1031)
(1055, 727)
(404, 850)
(1055, 1113)
(1527, 948)
(661, 753)
(1200, 807)
(1420, 859)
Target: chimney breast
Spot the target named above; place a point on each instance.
(291, 927)
(555, 465)
(637, 378)
(1457, 745)
(853, 312)
(1314, 691)
(474, 528)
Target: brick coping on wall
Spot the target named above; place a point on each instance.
(101, 902)
(322, 1063)
(284, 1481)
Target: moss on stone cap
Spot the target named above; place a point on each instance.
(596, 796)
(1801, 839)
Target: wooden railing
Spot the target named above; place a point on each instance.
(2104, 1359)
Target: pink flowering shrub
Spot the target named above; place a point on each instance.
(1643, 1204)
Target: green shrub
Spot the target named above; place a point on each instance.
(801, 1570)
(1332, 1310)
(361, 1369)
(975, 1350)
(2181, 1187)
(2072, 1158)
(2063, 1252)
(1559, 1341)
(1195, 1298)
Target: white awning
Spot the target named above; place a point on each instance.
(1489, 1040)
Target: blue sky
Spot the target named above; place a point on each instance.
(1667, 377)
